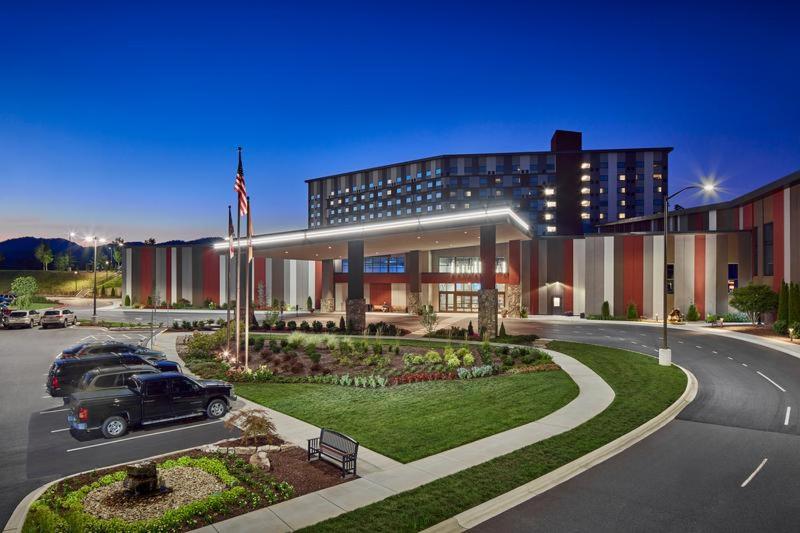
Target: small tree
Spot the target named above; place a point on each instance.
(253, 423)
(633, 314)
(783, 302)
(127, 300)
(605, 311)
(754, 300)
(428, 318)
(502, 332)
(62, 262)
(470, 329)
(261, 295)
(309, 304)
(43, 254)
(794, 304)
(24, 287)
(692, 315)
(342, 325)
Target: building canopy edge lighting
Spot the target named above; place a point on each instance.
(367, 229)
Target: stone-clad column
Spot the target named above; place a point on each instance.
(414, 287)
(513, 290)
(487, 297)
(327, 299)
(356, 305)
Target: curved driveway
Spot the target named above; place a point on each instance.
(701, 471)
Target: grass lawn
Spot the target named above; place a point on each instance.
(53, 282)
(643, 389)
(412, 421)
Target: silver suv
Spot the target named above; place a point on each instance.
(23, 319)
(58, 317)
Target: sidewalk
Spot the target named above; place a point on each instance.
(388, 477)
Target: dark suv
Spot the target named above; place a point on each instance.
(66, 372)
(112, 376)
(104, 347)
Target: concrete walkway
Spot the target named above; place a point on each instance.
(388, 477)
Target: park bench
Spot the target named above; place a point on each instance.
(335, 448)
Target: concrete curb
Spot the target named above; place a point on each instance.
(489, 509)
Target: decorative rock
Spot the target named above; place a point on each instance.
(513, 300)
(260, 459)
(142, 479)
(268, 448)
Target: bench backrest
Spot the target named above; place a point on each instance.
(338, 441)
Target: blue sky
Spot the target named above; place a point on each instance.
(123, 119)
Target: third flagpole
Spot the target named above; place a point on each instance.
(247, 293)
(228, 288)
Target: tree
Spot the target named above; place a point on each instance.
(43, 254)
(754, 300)
(62, 262)
(502, 333)
(633, 314)
(605, 311)
(783, 303)
(794, 304)
(151, 241)
(24, 287)
(692, 315)
(428, 318)
(309, 304)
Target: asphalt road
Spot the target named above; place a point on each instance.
(701, 471)
(36, 447)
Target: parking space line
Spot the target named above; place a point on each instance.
(756, 471)
(786, 418)
(765, 377)
(744, 364)
(699, 347)
(56, 411)
(119, 441)
(59, 430)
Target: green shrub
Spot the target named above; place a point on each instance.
(502, 329)
(432, 356)
(274, 347)
(470, 329)
(127, 300)
(633, 314)
(291, 325)
(795, 331)
(783, 302)
(342, 325)
(309, 304)
(692, 315)
(280, 325)
(312, 353)
(377, 348)
(605, 311)
(467, 359)
(316, 326)
(485, 351)
(780, 327)
(330, 325)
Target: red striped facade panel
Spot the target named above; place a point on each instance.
(534, 276)
(513, 262)
(633, 272)
(568, 282)
(380, 293)
(168, 277)
(260, 274)
(146, 273)
(747, 216)
(318, 284)
(777, 239)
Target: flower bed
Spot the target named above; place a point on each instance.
(207, 488)
(359, 362)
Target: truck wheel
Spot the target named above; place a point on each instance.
(114, 426)
(216, 409)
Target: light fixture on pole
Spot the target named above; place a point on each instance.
(665, 353)
(94, 240)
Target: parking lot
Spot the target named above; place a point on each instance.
(34, 439)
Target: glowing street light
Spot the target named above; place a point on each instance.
(708, 187)
(94, 240)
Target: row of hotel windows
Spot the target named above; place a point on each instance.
(733, 277)
(380, 264)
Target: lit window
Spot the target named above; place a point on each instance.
(621, 215)
(585, 165)
(622, 190)
(622, 177)
(656, 176)
(468, 194)
(622, 202)
(551, 203)
(584, 203)
(585, 190)
(602, 190)
(549, 191)
(548, 216)
(602, 216)
(551, 229)
(585, 216)
(585, 177)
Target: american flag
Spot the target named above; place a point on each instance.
(240, 187)
(230, 232)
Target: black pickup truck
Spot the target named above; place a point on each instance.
(148, 399)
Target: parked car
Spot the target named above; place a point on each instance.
(104, 347)
(65, 374)
(22, 319)
(148, 399)
(112, 376)
(58, 317)
(7, 298)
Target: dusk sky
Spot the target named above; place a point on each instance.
(122, 119)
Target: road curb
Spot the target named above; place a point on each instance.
(489, 509)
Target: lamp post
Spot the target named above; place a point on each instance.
(94, 239)
(665, 353)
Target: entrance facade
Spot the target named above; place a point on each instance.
(463, 297)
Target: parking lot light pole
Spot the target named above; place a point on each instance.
(94, 239)
(665, 352)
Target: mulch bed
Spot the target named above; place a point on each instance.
(292, 466)
(758, 331)
(261, 440)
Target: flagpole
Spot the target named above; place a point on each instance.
(238, 271)
(228, 290)
(247, 294)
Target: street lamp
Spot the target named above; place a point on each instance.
(665, 353)
(94, 240)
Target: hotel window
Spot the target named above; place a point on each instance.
(670, 278)
(467, 193)
(585, 165)
(733, 276)
(550, 203)
(584, 203)
(551, 229)
(769, 268)
(621, 215)
(621, 177)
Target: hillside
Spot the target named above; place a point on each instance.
(18, 253)
(54, 283)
